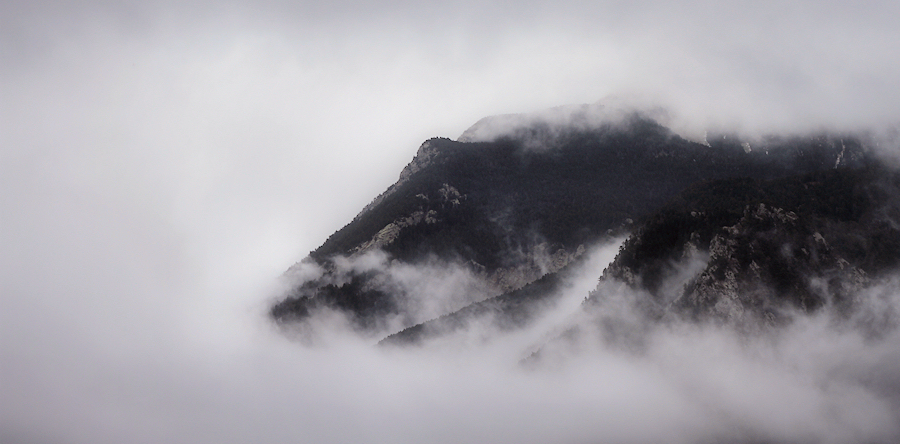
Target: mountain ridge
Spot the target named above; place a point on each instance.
(523, 205)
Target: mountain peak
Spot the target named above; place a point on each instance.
(425, 155)
(518, 189)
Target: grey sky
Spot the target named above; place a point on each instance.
(161, 162)
(356, 86)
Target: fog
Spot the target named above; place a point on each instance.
(162, 164)
(211, 368)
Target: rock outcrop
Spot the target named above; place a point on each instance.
(423, 158)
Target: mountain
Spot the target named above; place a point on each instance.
(762, 250)
(484, 223)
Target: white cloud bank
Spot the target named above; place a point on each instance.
(161, 164)
(125, 359)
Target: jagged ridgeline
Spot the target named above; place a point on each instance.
(525, 203)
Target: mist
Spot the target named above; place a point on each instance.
(215, 369)
(161, 165)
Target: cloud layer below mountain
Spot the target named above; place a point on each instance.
(161, 163)
(148, 364)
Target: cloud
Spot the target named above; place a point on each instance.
(162, 163)
(220, 373)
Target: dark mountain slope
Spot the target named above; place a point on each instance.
(774, 247)
(765, 249)
(513, 210)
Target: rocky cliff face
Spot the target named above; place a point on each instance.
(423, 158)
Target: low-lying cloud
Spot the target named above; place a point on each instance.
(161, 164)
(421, 291)
(215, 369)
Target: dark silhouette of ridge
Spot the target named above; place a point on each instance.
(794, 243)
(492, 205)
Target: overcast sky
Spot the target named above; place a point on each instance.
(161, 162)
(265, 104)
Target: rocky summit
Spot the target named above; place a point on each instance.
(726, 228)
